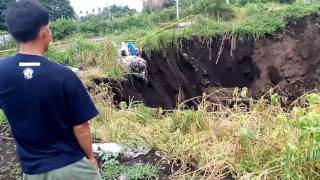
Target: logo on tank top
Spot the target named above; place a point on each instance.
(28, 73)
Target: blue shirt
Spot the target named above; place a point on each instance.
(43, 100)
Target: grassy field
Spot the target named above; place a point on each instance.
(264, 142)
(81, 52)
(155, 30)
(252, 20)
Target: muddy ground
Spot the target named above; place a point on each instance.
(288, 60)
(10, 169)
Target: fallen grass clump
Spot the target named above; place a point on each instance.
(264, 142)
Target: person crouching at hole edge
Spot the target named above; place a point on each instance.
(46, 104)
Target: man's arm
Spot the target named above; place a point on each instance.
(84, 138)
(81, 109)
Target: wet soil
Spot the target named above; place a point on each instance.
(288, 60)
(166, 167)
(10, 169)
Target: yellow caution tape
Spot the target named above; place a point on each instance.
(140, 39)
(14, 49)
(162, 29)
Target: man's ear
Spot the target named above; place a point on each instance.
(43, 31)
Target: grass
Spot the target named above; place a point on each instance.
(265, 142)
(83, 53)
(95, 58)
(3, 119)
(112, 169)
(9, 45)
(255, 20)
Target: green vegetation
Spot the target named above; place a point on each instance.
(63, 28)
(3, 119)
(112, 169)
(3, 6)
(10, 44)
(83, 53)
(88, 55)
(253, 20)
(57, 8)
(209, 17)
(265, 142)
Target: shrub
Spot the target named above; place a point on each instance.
(62, 57)
(188, 121)
(63, 28)
(164, 15)
(97, 25)
(244, 2)
(88, 28)
(214, 8)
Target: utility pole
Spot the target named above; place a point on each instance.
(177, 4)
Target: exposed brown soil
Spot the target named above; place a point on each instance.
(166, 168)
(289, 60)
(10, 170)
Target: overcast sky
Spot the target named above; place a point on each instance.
(88, 5)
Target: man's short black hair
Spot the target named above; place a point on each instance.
(25, 18)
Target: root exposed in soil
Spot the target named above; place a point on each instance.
(289, 60)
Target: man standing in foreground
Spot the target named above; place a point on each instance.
(46, 104)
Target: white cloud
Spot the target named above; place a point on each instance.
(88, 5)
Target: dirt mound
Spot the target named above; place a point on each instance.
(289, 60)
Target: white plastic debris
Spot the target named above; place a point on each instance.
(74, 69)
(133, 153)
(123, 51)
(185, 24)
(135, 64)
(107, 147)
(118, 149)
(121, 178)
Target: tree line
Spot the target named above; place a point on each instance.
(57, 8)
